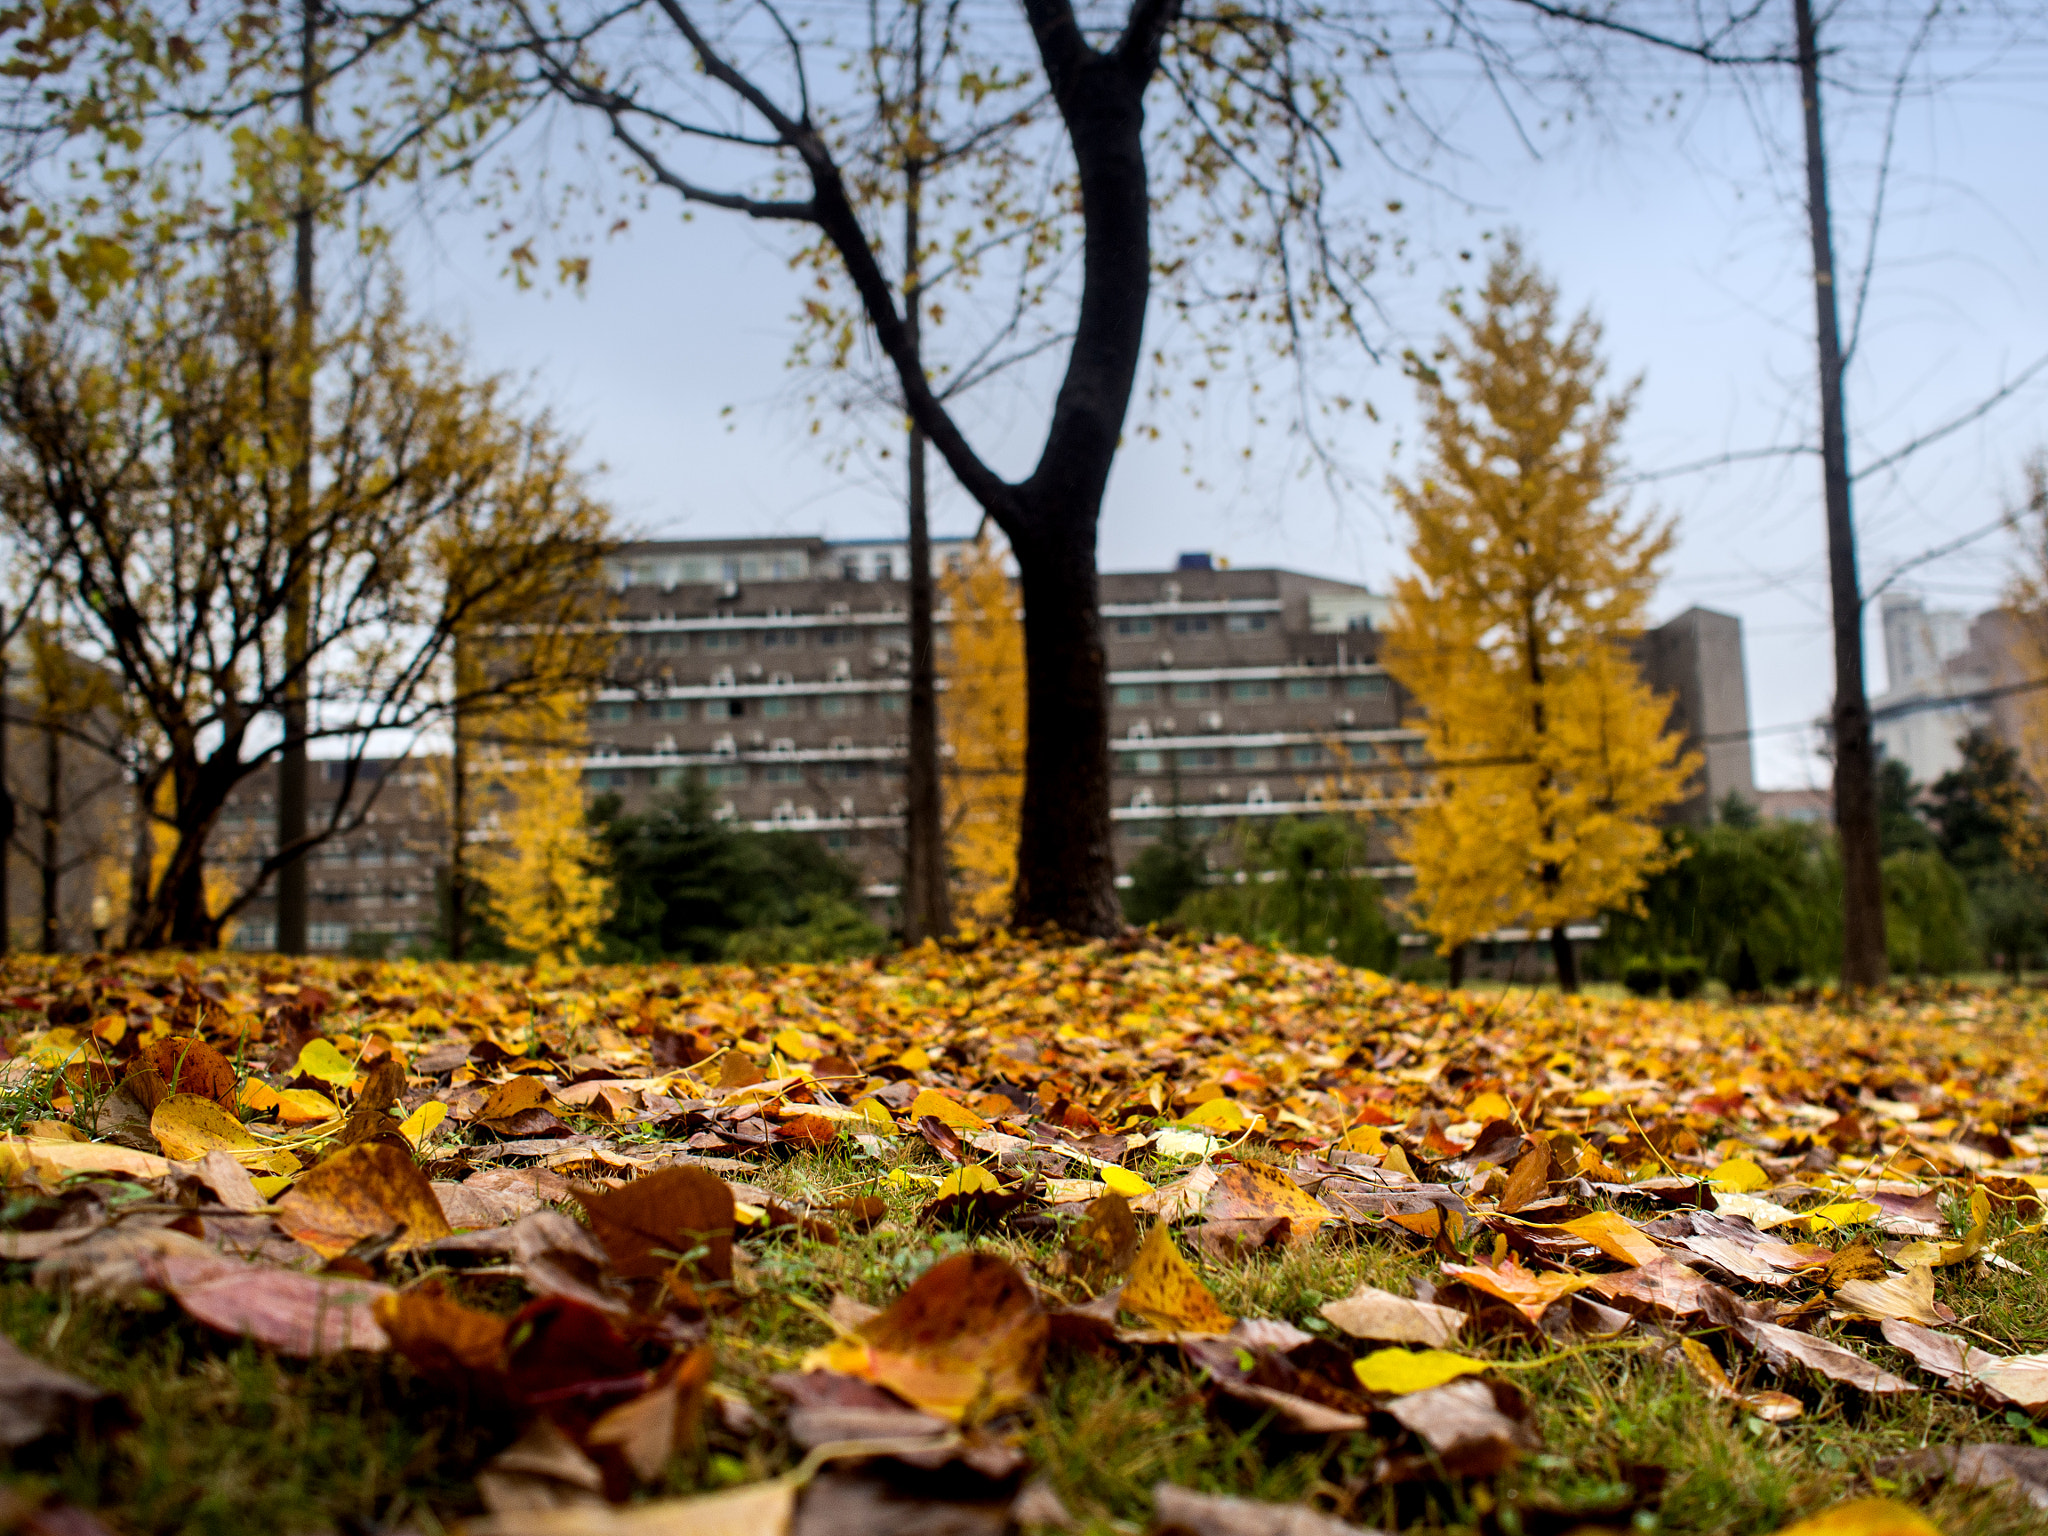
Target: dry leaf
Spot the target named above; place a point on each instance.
(188, 1064)
(1910, 1296)
(1771, 1407)
(965, 1341)
(1865, 1517)
(1474, 1428)
(1665, 1289)
(1413, 1370)
(367, 1191)
(653, 1224)
(187, 1126)
(445, 1341)
(293, 1313)
(2020, 1469)
(1103, 1242)
(1252, 1191)
(652, 1427)
(1183, 1512)
(1371, 1313)
(1528, 1292)
(1163, 1290)
(1784, 1348)
(38, 1399)
(1529, 1181)
(542, 1471)
(1614, 1236)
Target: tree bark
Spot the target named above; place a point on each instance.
(1458, 954)
(1566, 956)
(53, 829)
(6, 804)
(458, 820)
(1863, 951)
(292, 769)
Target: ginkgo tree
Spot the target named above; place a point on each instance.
(983, 715)
(1551, 756)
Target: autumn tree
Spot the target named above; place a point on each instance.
(984, 718)
(542, 872)
(1551, 758)
(146, 443)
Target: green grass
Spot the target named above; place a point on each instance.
(230, 1439)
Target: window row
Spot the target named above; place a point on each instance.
(830, 636)
(1194, 624)
(1249, 690)
(828, 706)
(1302, 755)
(738, 775)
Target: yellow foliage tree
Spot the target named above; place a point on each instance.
(541, 874)
(1550, 755)
(982, 712)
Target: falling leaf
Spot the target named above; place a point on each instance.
(362, 1192)
(1865, 1517)
(1406, 1370)
(1370, 1313)
(966, 1340)
(1771, 1407)
(1166, 1293)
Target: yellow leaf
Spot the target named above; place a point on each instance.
(320, 1059)
(1740, 1175)
(878, 1114)
(1845, 1213)
(1363, 1138)
(270, 1185)
(1487, 1106)
(1124, 1182)
(423, 1122)
(57, 1048)
(1592, 1098)
(187, 1126)
(1225, 1115)
(792, 1044)
(946, 1111)
(1866, 1517)
(969, 1180)
(1164, 1291)
(256, 1096)
(304, 1106)
(915, 1060)
(1615, 1237)
(1395, 1371)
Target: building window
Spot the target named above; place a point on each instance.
(1142, 831)
(895, 703)
(725, 776)
(1254, 757)
(1365, 687)
(1308, 688)
(611, 778)
(1191, 624)
(1148, 762)
(782, 773)
(840, 842)
(847, 771)
(1247, 623)
(835, 636)
(672, 709)
(724, 709)
(785, 639)
(896, 637)
(724, 640)
(1199, 757)
(1193, 693)
(781, 709)
(835, 705)
(612, 714)
(1255, 688)
(668, 642)
(327, 935)
(1305, 756)
(1134, 626)
(1137, 693)
(671, 778)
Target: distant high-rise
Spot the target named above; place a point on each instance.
(1696, 659)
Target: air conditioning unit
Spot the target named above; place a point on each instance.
(846, 812)
(782, 744)
(728, 590)
(878, 657)
(781, 679)
(722, 678)
(1212, 721)
(1142, 800)
(1141, 730)
(753, 669)
(842, 743)
(1166, 658)
(725, 746)
(842, 671)
(1347, 717)
(1260, 795)
(666, 747)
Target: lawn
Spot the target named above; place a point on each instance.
(1010, 1236)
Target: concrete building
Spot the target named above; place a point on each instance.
(1944, 672)
(1696, 659)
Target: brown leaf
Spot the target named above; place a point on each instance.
(862, 1211)
(813, 1131)
(444, 1340)
(1233, 1239)
(2018, 1469)
(1527, 1291)
(1784, 1348)
(647, 1225)
(38, 1399)
(965, 1341)
(295, 1314)
(365, 1191)
(1268, 1384)
(737, 1070)
(652, 1427)
(382, 1084)
(1771, 1407)
(850, 1504)
(1253, 1192)
(1103, 1242)
(508, 1101)
(827, 1406)
(1529, 1181)
(1474, 1428)
(229, 1181)
(2019, 1381)
(542, 1470)
(1858, 1261)
(1370, 1313)
(566, 1356)
(188, 1064)
(1183, 1512)
(758, 1509)
(1666, 1289)
(1166, 1293)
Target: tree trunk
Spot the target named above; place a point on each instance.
(1066, 872)
(292, 768)
(1563, 952)
(1458, 953)
(53, 829)
(6, 804)
(458, 825)
(1863, 953)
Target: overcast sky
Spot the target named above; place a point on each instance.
(1686, 238)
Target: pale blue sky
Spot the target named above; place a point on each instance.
(1684, 237)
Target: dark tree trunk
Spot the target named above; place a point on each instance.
(53, 835)
(292, 767)
(458, 820)
(6, 803)
(1566, 956)
(1458, 954)
(1863, 953)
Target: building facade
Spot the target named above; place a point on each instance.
(1696, 660)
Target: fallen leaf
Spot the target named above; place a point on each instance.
(1413, 1370)
(1666, 1289)
(1103, 1242)
(365, 1191)
(1865, 1517)
(1738, 1175)
(1771, 1407)
(760, 1509)
(1614, 1236)
(189, 1065)
(1910, 1296)
(1183, 1512)
(38, 1399)
(678, 1217)
(294, 1313)
(649, 1429)
(965, 1341)
(318, 1058)
(56, 1161)
(542, 1472)
(2021, 1469)
(948, 1112)
(1529, 1181)
(1371, 1313)
(1266, 1382)
(2020, 1381)
(444, 1340)
(187, 1126)
(1163, 1290)
(1528, 1292)
(1784, 1347)
(1473, 1428)
(1253, 1191)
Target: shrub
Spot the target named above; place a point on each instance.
(1645, 978)
(1683, 977)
